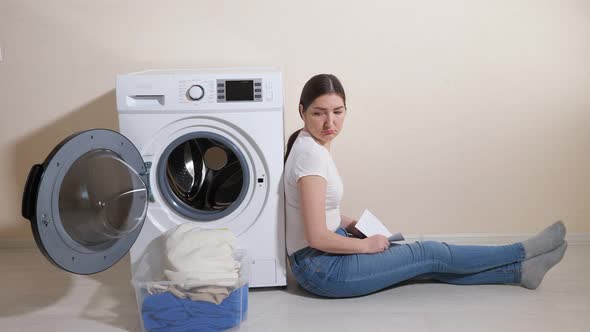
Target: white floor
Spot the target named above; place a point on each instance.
(35, 296)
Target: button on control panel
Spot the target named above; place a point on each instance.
(196, 91)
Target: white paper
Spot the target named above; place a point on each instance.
(370, 225)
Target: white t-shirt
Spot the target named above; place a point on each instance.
(308, 157)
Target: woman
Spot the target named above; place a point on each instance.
(328, 261)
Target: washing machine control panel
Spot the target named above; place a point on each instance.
(225, 90)
(208, 91)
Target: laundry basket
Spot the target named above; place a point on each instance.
(169, 306)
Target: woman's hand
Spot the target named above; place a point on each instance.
(354, 231)
(376, 243)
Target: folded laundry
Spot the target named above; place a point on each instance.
(200, 257)
(203, 290)
(190, 279)
(206, 264)
(186, 238)
(208, 293)
(166, 312)
(216, 255)
(213, 294)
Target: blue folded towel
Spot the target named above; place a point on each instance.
(165, 312)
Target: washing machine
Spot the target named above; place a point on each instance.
(195, 146)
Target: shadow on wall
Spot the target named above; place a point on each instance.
(36, 146)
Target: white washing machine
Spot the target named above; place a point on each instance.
(195, 146)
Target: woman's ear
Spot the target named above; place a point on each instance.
(301, 111)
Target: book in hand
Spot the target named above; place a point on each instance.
(370, 225)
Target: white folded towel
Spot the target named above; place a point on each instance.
(190, 236)
(199, 257)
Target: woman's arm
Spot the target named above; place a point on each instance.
(313, 204)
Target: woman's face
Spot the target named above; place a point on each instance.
(324, 117)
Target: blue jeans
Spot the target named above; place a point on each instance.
(347, 275)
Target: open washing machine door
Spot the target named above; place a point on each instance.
(88, 200)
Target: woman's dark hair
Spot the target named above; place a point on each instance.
(317, 86)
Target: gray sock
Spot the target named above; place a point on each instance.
(534, 269)
(547, 240)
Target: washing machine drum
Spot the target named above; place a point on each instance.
(205, 174)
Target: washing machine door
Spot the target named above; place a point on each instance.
(88, 200)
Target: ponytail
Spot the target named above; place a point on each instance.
(290, 142)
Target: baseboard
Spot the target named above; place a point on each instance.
(9, 243)
(475, 238)
(483, 238)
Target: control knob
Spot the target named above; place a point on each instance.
(195, 92)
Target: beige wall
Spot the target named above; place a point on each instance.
(464, 116)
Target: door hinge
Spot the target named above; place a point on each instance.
(148, 166)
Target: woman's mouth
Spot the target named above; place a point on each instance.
(328, 132)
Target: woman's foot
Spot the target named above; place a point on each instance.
(534, 269)
(547, 240)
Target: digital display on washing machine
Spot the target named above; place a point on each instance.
(242, 90)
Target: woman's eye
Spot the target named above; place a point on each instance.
(317, 114)
(338, 112)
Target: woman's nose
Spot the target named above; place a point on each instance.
(330, 119)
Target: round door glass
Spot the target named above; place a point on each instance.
(102, 198)
(204, 174)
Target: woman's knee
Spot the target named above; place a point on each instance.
(434, 250)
